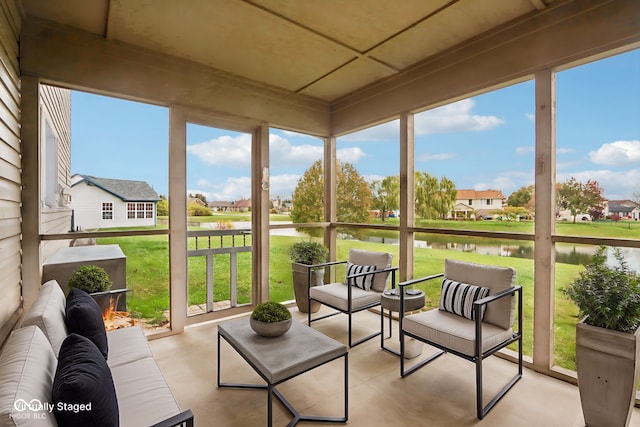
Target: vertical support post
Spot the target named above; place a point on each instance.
(330, 208)
(407, 196)
(177, 218)
(545, 179)
(29, 133)
(260, 213)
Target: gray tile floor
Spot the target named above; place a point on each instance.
(440, 394)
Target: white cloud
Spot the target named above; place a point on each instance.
(525, 150)
(530, 116)
(426, 157)
(617, 153)
(565, 150)
(240, 187)
(616, 184)
(224, 150)
(350, 155)
(455, 117)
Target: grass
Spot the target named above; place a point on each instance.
(148, 272)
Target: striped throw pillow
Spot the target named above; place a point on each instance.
(362, 282)
(458, 298)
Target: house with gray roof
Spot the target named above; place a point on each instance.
(108, 203)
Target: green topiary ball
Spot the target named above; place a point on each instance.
(90, 278)
(270, 312)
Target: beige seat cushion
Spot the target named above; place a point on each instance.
(47, 313)
(379, 259)
(143, 395)
(453, 331)
(499, 313)
(336, 295)
(27, 368)
(127, 345)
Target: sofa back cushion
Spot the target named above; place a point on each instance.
(83, 317)
(27, 368)
(47, 313)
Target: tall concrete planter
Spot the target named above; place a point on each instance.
(608, 368)
(300, 286)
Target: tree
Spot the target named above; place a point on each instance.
(386, 194)
(353, 196)
(162, 207)
(434, 199)
(580, 197)
(520, 197)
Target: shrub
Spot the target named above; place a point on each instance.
(270, 312)
(308, 252)
(90, 278)
(609, 297)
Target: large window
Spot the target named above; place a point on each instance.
(107, 210)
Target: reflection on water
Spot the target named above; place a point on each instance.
(565, 253)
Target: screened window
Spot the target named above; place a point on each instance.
(107, 211)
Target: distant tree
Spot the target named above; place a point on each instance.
(513, 213)
(520, 197)
(386, 195)
(353, 196)
(434, 199)
(636, 197)
(162, 207)
(596, 212)
(580, 197)
(195, 209)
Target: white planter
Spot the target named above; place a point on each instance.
(607, 365)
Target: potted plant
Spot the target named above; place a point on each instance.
(270, 319)
(303, 254)
(607, 339)
(95, 281)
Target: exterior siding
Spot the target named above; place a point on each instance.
(87, 205)
(55, 103)
(10, 168)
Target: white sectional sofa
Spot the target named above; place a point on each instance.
(29, 360)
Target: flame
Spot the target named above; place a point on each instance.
(114, 319)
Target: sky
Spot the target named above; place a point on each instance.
(483, 142)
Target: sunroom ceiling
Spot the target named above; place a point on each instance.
(322, 48)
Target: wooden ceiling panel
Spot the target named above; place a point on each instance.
(229, 35)
(85, 15)
(359, 24)
(356, 74)
(451, 26)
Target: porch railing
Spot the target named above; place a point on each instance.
(209, 243)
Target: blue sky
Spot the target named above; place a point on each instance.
(483, 142)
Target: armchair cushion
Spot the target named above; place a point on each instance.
(380, 259)
(336, 295)
(458, 298)
(362, 282)
(500, 313)
(454, 332)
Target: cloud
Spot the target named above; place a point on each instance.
(617, 153)
(616, 184)
(530, 116)
(525, 150)
(350, 155)
(455, 117)
(426, 157)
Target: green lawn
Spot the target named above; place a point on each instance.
(148, 277)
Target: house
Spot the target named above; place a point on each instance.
(107, 203)
(477, 203)
(624, 209)
(220, 205)
(242, 205)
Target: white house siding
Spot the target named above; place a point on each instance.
(56, 109)
(10, 164)
(87, 203)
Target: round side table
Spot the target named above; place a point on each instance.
(390, 300)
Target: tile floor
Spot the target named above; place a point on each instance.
(440, 394)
